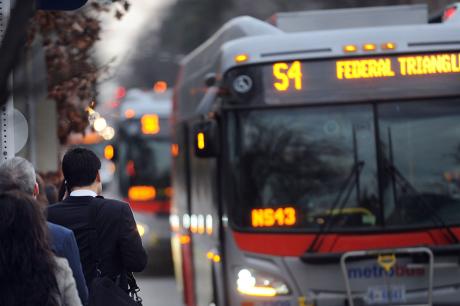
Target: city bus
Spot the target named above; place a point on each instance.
(317, 161)
(143, 159)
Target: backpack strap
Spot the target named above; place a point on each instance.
(93, 209)
(133, 288)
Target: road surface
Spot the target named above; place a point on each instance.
(156, 291)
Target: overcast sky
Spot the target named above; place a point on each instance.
(118, 36)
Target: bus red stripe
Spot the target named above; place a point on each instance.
(297, 244)
(189, 279)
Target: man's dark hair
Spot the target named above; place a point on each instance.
(80, 167)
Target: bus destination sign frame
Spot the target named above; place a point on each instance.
(362, 78)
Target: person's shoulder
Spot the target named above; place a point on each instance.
(54, 206)
(112, 203)
(57, 229)
(51, 206)
(111, 208)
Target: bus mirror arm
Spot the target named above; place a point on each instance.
(210, 79)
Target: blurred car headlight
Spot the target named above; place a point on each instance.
(253, 283)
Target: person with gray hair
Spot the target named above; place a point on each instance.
(18, 173)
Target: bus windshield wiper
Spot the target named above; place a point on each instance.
(398, 178)
(339, 203)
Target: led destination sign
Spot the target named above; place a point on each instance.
(356, 79)
(405, 66)
(269, 217)
(284, 73)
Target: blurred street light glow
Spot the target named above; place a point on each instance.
(130, 113)
(160, 87)
(108, 133)
(121, 93)
(92, 115)
(99, 124)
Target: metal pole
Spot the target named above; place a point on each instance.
(6, 111)
(7, 130)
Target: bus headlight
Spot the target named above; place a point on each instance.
(253, 283)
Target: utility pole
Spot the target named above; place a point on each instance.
(6, 111)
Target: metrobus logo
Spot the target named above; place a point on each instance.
(377, 272)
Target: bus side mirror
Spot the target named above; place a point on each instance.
(110, 152)
(206, 138)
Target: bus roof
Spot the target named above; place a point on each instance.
(330, 43)
(204, 57)
(139, 102)
(351, 18)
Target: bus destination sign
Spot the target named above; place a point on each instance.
(362, 78)
(269, 217)
(405, 66)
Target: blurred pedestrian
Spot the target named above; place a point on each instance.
(19, 174)
(41, 196)
(119, 246)
(62, 194)
(51, 193)
(30, 275)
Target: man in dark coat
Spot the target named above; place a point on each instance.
(105, 229)
(18, 173)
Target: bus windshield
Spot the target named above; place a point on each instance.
(369, 166)
(145, 161)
